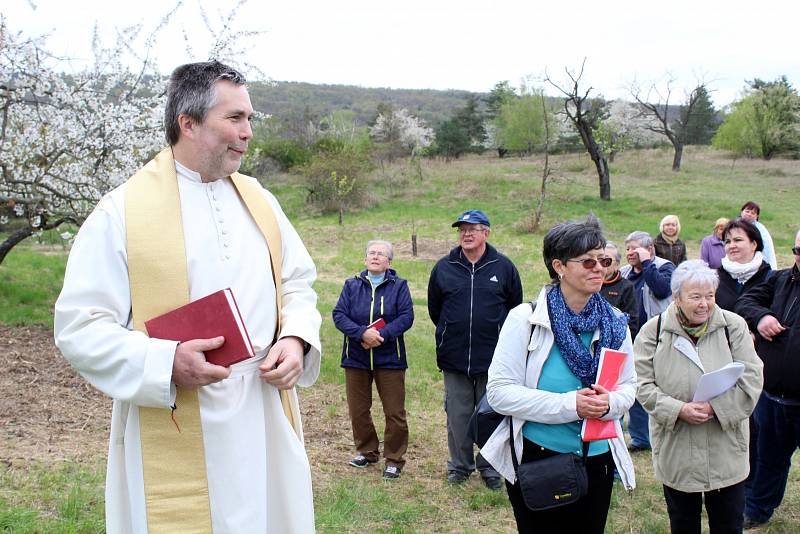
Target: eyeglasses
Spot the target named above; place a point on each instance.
(467, 231)
(377, 253)
(589, 263)
(796, 251)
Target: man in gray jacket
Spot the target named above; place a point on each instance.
(651, 277)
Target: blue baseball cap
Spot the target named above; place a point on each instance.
(472, 217)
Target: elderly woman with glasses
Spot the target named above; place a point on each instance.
(543, 375)
(373, 312)
(700, 447)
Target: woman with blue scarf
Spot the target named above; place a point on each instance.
(543, 376)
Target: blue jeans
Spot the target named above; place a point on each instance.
(778, 438)
(639, 426)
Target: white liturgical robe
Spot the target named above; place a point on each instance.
(258, 473)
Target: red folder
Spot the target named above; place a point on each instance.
(608, 370)
(377, 324)
(214, 315)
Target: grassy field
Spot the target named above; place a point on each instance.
(643, 190)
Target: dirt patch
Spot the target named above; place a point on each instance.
(49, 412)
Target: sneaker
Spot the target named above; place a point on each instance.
(493, 483)
(751, 523)
(361, 461)
(637, 448)
(391, 472)
(454, 477)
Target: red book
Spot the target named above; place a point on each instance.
(377, 324)
(608, 371)
(214, 315)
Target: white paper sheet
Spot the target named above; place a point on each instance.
(718, 382)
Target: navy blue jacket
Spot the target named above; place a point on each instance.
(468, 304)
(359, 306)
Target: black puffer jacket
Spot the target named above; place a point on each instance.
(468, 304)
(779, 296)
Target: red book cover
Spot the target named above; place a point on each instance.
(608, 371)
(377, 324)
(214, 315)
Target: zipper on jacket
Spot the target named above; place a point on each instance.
(471, 293)
(371, 308)
(788, 311)
(472, 272)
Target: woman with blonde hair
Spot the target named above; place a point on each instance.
(712, 247)
(667, 243)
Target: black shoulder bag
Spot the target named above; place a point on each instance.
(554, 481)
(484, 420)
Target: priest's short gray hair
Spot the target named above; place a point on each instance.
(693, 271)
(191, 91)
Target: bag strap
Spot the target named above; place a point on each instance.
(511, 423)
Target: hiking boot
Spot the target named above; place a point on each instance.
(751, 523)
(454, 477)
(493, 483)
(391, 472)
(361, 461)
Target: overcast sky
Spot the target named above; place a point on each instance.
(461, 44)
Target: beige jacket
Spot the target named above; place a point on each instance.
(714, 454)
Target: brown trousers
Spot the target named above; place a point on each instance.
(391, 386)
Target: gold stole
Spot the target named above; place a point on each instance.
(173, 462)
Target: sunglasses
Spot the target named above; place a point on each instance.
(796, 251)
(589, 263)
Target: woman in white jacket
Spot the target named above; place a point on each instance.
(543, 373)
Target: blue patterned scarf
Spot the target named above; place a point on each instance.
(567, 328)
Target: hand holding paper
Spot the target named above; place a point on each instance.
(718, 382)
(608, 371)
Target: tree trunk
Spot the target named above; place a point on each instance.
(676, 160)
(414, 244)
(24, 233)
(599, 160)
(13, 240)
(341, 216)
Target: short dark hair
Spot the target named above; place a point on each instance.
(750, 205)
(570, 239)
(191, 92)
(750, 229)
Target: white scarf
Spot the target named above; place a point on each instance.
(742, 272)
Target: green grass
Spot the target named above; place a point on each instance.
(30, 279)
(644, 189)
(66, 498)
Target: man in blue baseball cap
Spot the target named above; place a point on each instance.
(470, 292)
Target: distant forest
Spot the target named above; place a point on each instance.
(299, 99)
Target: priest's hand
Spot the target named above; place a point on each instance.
(190, 368)
(284, 363)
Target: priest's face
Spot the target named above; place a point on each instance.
(222, 139)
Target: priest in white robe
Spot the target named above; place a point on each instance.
(256, 476)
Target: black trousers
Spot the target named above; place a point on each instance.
(725, 508)
(587, 515)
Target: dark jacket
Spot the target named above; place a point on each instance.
(778, 296)
(728, 291)
(675, 253)
(359, 306)
(621, 294)
(468, 304)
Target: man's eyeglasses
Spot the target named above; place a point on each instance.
(377, 253)
(466, 231)
(589, 263)
(796, 251)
